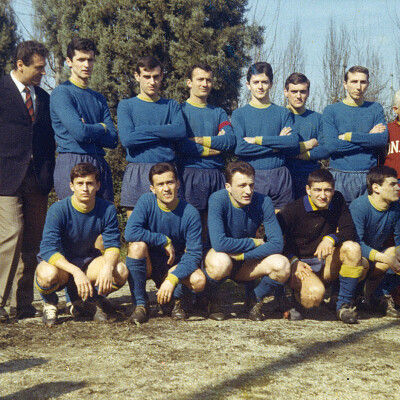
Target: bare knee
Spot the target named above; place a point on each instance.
(312, 296)
(47, 275)
(280, 268)
(218, 265)
(121, 275)
(198, 281)
(350, 253)
(137, 250)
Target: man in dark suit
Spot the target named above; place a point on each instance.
(26, 175)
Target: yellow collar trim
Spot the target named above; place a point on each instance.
(294, 111)
(375, 206)
(139, 96)
(260, 105)
(78, 84)
(194, 104)
(352, 103)
(313, 206)
(163, 208)
(231, 199)
(75, 204)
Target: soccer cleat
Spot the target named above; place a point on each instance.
(178, 312)
(215, 312)
(347, 314)
(139, 315)
(49, 317)
(3, 315)
(255, 311)
(385, 306)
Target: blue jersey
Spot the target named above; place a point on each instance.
(81, 120)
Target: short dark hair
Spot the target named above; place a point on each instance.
(26, 50)
(320, 175)
(148, 63)
(295, 79)
(80, 44)
(203, 66)
(260, 68)
(161, 168)
(238, 166)
(356, 68)
(378, 175)
(84, 169)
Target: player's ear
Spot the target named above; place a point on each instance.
(98, 184)
(69, 62)
(308, 189)
(71, 186)
(137, 76)
(228, 186)
(285, 92)
(152, 189)
(189, 83)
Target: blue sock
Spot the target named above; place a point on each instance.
(265, 287)
(51, 295)
(67, 298)
(389, 282)
(181, 290)
(347, 290)
(212, 286)
(137, 279)
(71, 290)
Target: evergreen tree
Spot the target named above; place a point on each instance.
(8, 36)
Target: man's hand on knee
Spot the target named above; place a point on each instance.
(83, 285)
(104, 280)
(302, 270)
(324, 249)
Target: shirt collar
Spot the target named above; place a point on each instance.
(294, 111)
(21, 87)
(310, 206)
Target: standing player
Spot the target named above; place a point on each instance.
(209, 133)
(308, 125)
(319, 240)
(165, 245)
(355, 131)
(67, 248)
(265, 137)
(81, 121)
(392, 155)
(149, 127)
(235, 214)
(377, 219)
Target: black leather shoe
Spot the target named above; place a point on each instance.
(3, 315)
(139, 315)
(25, 312)
(215, 312)
(178, 312)
(255, 311)
(347, 314)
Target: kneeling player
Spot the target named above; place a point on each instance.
(235, 214)
(319, 240)
(67, 248)
(165, 245)
(377, 220)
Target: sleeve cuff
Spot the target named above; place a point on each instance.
(258, 140)
(302, 147)
(256, 242)
(207, 141)
(112, 250)
(332, 238)
(104, 126)
(168, 242)
(307, 155)
(347, 136)
(173, 279)
(238, 257)
(54, 258)
(372, 255)
(205, 152)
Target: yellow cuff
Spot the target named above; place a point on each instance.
(104, 126)
(55, 257)
(173, 279)
(307, 155)
(302, 147)
(238, 257)
(112, 249)
(207, 141)
(258, 140)
(168, 242)
(330, 238)
(347, 136)
(256, 242)
(372, 255)
(349, 271)
(205, 152)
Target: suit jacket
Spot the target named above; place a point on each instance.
(20, 138)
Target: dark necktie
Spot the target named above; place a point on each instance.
(29, 103)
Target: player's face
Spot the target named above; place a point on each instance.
(297, 95)
(85, 188)
(149, 81)
(81, 65)
(165, 187)
(32, 74)
(321, 194)
(259, 86)
(396, 110)
(241, 189)
(389, 190)
(201, 83)
(356, 85)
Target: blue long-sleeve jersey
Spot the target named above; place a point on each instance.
(232, 229)
(359, 150)
(265, 124)
(149, 129)
(205, 121)
(155, 226)
(81, 120)
(374, 225)
(71, 232)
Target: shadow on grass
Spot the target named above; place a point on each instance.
(20, 364)
(255, 376)
(47, 390)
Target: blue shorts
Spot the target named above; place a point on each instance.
(159, 259)
(66, 161)
(351, 184)
(200, 184)
(275, 183)
(315, 263)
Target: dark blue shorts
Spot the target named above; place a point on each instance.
(66, 161)
(351, 184)
(315, 263)
(200, 184)
(275, 183)
(159, 259)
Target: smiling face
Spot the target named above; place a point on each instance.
(200, 85)
(241, 189)
(356, 86)
(259, 87)
(85, 188)
(149, 82)
(321, 194)
(81, 66)
(31, 74)
(297, 95)
(165, 187)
